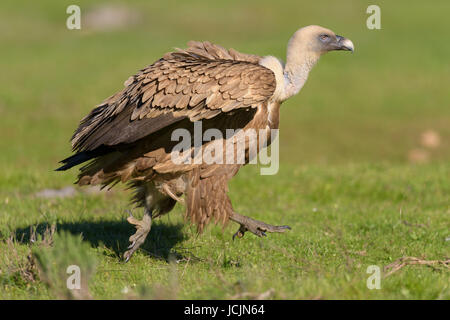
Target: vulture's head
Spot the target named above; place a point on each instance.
(316, 40)
(304, 49)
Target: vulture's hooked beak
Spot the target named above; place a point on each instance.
(344, 44)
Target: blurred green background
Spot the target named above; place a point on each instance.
(370, 129)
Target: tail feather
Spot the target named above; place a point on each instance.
(81, 157)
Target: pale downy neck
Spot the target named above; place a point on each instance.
(300, 59)
(296, 72)
(291, 77)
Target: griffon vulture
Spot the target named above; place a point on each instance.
(128, 137)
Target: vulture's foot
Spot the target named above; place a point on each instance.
(143, 228)
(256, 227)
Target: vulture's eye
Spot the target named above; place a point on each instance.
(324, 37)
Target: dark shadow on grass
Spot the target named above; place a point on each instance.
(160, 243)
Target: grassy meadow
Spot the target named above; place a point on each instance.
(364, 173)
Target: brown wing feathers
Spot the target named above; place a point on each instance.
(198, 83)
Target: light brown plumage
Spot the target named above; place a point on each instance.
(190, 83)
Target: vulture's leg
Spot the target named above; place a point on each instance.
(254, 226)
(143, 228)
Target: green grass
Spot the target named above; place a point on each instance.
(345, 185)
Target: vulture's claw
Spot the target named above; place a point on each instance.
(240, 232)
(256, 227)
(143, 228)
(131, 245)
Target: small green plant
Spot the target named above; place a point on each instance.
(67, 266)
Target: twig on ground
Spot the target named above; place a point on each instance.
(404, 261)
